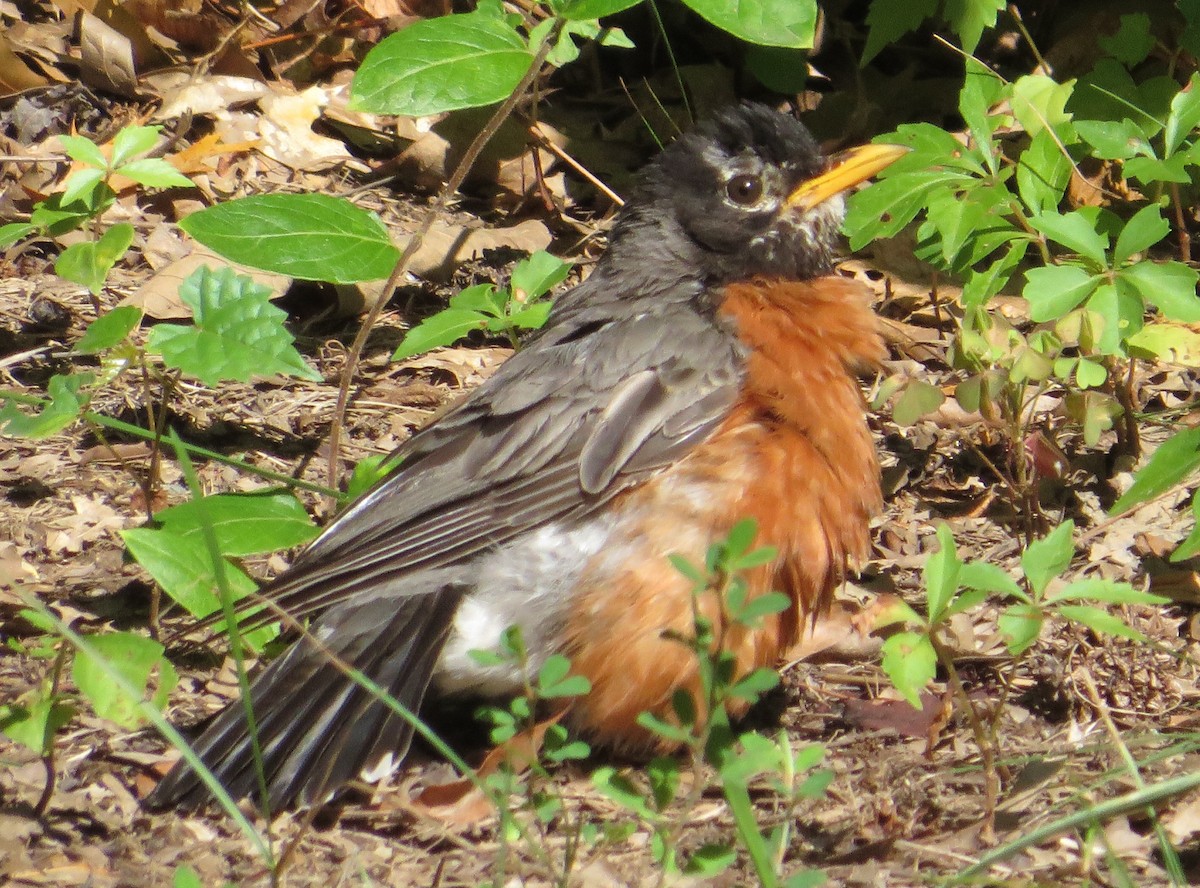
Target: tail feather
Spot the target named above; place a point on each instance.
(317, 727)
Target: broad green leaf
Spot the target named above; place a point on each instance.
(1146, 228)
(484, 298)
(1090, 374)
(884, 209)
(1048, 557)
(941, 573)
(1053, 290)
(1171, 464)
(1073, 231)
(310, 236)
(34, 718)
(154, 172)
(1043, 172)
(981, 89)
(591, 9)
(532, 318)
(84, 151)
(537, 275)
(1123, 311)
(1039, 101)
(911, 663)
(237, 333)
(442, 64)
(890, 19)
(956, 218)
(1132, 42)
(918, 399)
(620, 789)
(1184, 116)
(1169, 286)
(1107, 591)
(131, 141)
(1113, 139)
(1021, 624)
(109, 330)
(789, 23)
(90, 262)
(136, 658)
(1099, 620)
(244, 524)
(1152, 171)
(444, 328)
(60, 411)
(969, 19)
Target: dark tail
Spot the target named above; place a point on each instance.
(318, 728)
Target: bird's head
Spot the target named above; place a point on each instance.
(748, 193)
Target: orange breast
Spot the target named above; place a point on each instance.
(794, 454)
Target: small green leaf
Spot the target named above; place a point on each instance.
(135, 657)
(1039, 101)
(1122, 308)
(988, 577)
(911, 663)
(238, 334)
(1112, 139)
(1043, 173)
(762, 606)
(536, 276)
(663, 774)
(1021, 624)
(1146, 228)
(81, 185)
(1107, 591)
(1053, 290)
(709, 861)
(14, 231)
(35, 718)
(1171, 464)
(620, 789)
(482, 298)
(309, 236)
(889, 20)
(1099, 620)
(64, 406)
(442, 64)
(131, 141)
(1184, 116)
(1170, 286)
(109, 330)
(84, 151)
(941, 573)
(154, 172)
(90, 262)
(1073, 231)
(918, 399)
(1048, 557)
(186, 877)
(444, 328)
(1090, 374)
(754, 685)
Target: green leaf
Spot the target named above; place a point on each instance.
(481, 298)
(1170, 286)
(90, 262)
(1039, 102)
(237, 334)
(663, 774)
(1053, 290)
(911, 663)
(1108, 591)
(109, 330)
(1113, 139)
(131, 141)
(918, 399)
(1122, 308)
(989, 577)
(1171, 464)
(60, 411)
(891, 19)
(1132, 42)
(969, 19)
(310, 236)
(154, 172)
(620, 789)
(709, 861)
(790, 23)
(444, 328)
(1151, 170)
(81, 186)
(1184, 116)
(592, 9)
(442, 64)
(186, 877)
(34, 719)
(537, 275)
(1048, 557)
(136, 658)
(1043, 173)
(808, 878)
(1075, 232)
(14, 231)
(941, 573)
(753, 686)
(1144, 230)
(1099, 620)
(244, 523)
(762, 606)
(532, 318)
(1021, 624)
(1190, 546)
(1090, 374)
(778, 68)
(554, 679)
(84, 151)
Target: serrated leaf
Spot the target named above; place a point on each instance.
(309, 236)
(911, 663)
(1169, 286)
(444, 328)
(1048, 557)
(60, 411)
(483, 298)
(109, 330)
(237, 333)
(1053, 290)
(135, 658)
(1171, 464)
(442, 64)
(790, 23)
(154, 172)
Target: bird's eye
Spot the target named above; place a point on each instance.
(744, 189)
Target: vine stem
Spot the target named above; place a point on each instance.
(417, 238)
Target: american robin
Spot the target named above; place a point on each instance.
(705, 372)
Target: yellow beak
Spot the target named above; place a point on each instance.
(846, 169)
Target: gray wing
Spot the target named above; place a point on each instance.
(593, 404)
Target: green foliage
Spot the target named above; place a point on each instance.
(483, 307)
(236, 332)
(891, 19)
